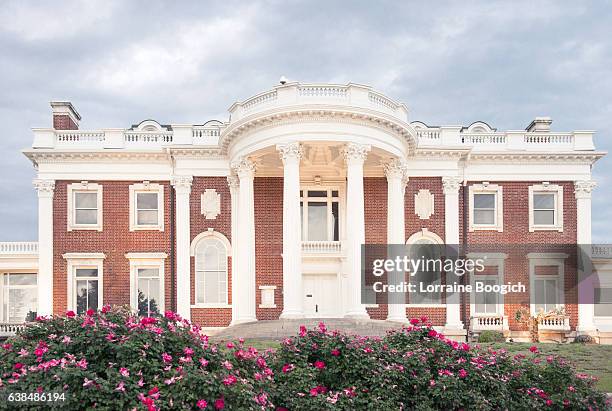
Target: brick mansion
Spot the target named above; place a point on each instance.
(262, 216)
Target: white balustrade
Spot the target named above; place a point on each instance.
(495, 322)
(601, 251)
(77, 137)
(259, 99)
(19, 247)
(555, 323)
(148, 137)
(483, 138)
(323, 91)
(321, 247)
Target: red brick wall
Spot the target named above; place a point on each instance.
(63, 122)
(516, 231)
(115, 241)
(375, 199)
(269, 242)
(211, 317)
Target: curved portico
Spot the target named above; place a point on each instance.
(322, 141)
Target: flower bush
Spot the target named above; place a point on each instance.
(115, 360)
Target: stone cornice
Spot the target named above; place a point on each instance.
(51, 157)
(298, 115)
(574, 157)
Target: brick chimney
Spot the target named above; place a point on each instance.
(541, 124)
(65, 116)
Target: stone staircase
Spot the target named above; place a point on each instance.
(280, 329)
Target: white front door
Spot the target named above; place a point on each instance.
(321, 295)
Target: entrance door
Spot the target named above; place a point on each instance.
(320, 295)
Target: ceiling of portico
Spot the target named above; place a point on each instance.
(322, 159)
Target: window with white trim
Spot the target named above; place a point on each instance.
(603, 301)
(546, 281)
(147, 283)
(84, 206)
(146, 207)
(19, 296)
(320, 212)
(486, 303)
(486, 207)
(211, 272)
(85, 281)
(545, 207)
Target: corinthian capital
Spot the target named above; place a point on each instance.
(244, 167)
(44, 187)
(396, 168)
(233, 181)
(182, 184)
(451, 184)
(290, 151)
(583, 188)
(355, 152)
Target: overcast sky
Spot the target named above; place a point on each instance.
(121, 62)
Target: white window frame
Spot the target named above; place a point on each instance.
(268, 293)
(304, 199)
(3, 287)
(547, 259)
(210, 233)
(84, 187)
(486, 188)
(491, 260)
(146, 187)
(545, 188)
(147, 260)
(434, 239)
(84, 260)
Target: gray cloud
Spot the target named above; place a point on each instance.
(453, 63)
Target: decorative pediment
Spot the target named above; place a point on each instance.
(211, 204)
(424, 204)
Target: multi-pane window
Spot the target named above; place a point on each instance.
(146, 207)
(320, 215)
(148, 291)
(211, 272)
(85, 207)
(484, 209)
(87, 290)
(546, 207)
(19, 296)
(147, 210)
(546, 294)
(486, 302)
(603, 302)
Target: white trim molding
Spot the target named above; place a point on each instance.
(146, 187)
(268, 297)
(546, 188)
(84, 187)
(486, 188)
(147, 260)
(84, 260)
(546, 260)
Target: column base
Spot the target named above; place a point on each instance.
(291, 315)
(455, 332)
(243, 321)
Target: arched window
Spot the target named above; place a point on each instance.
(211, 271)
(426, 246)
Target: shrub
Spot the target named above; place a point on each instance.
(114, 360)
(489, 336)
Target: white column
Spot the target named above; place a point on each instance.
(45, 190)
(234, 186)
(355, 155)
(395, 171)
(451, 228)
(245, 278)
(291, 154)
(586, 290)
(182, 190)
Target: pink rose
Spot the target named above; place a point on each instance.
(335, 352)
(302, 331)
(229, 380)
(319, 364)
(18, 366)
(166, 358)
(219, 403)
(462, 373)
(70, 314)
(201, 404)
(90, 312)
(533, 349)
(124, 372)
(414, 321)
(106, 308)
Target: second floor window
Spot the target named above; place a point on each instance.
(146, 209)
(84, 206)
(546, 207)
(146, 206)
(486, 207)
(320, 213)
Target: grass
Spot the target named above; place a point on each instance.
(591, 359)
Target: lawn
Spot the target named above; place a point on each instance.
(591, 359)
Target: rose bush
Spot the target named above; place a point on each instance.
(115, 360)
